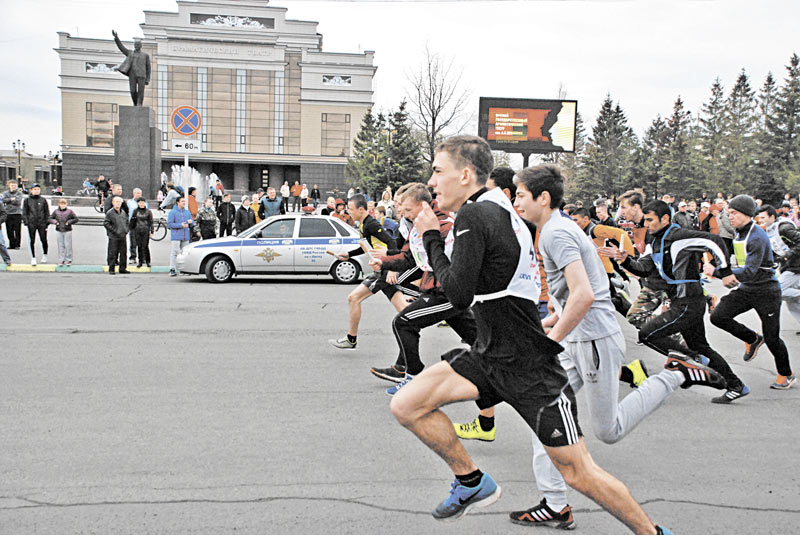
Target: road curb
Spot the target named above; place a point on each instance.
(52, 268)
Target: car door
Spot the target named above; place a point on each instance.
(271, 248)
(315, 237)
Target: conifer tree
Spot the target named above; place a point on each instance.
(712, 138)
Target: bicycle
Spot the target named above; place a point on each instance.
(160, 227)
(98, 206)
(86, 191)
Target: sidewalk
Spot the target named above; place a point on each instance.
(50, 268)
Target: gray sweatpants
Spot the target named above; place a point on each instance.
(790, 292)
(594, 366)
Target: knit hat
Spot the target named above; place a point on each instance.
(744, 204)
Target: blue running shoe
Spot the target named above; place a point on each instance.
(393, 390)
(462, 498)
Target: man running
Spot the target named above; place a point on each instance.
(493, 265)
(395, 286)
(432, 306)
(755, 287)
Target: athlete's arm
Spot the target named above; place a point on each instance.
(578, 303)
(642, 267)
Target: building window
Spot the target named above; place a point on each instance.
(101, 117)
(280, 92)
(202, 103)
(335, 134)
(163, 104)
(241, 109)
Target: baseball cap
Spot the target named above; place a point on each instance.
(245, 197)
(682, 204)
(784, 203)
(35, 185)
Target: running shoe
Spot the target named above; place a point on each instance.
(732, 395)
(694, 372)
(44, 259)
(662, 531)
(343, 343)
(639, 372)
(474, 431)
(33, 261)
(391, 391)
(462, 498)
(394, 374)
(542, 515)
(783, 382)
(751, 350)
(442, 325)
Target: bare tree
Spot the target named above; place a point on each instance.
(438, 103)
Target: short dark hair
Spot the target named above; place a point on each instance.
(359, 201)
(470, 151)
(569, 208)
(633, 196)
(504, 178)
(541, 178)
(583, 212)
(381, 209)
(192, 189)
(769, 209)
(660, 208)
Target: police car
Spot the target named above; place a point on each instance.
(290, 243)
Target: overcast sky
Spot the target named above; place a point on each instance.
(643, 53)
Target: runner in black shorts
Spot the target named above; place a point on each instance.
(396, 286)
(493, 268)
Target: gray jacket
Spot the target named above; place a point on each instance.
(13, 201)
(725, 228)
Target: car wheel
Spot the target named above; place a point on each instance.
(219, 269)
(345, 272)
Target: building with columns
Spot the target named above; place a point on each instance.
(274, 106)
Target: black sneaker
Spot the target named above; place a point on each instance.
(732, 395)
(751, 350)
(542, 515)
(694, 372)
(395, 374)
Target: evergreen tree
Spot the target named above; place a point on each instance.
(784, 131)
(712, 137)
(740, 126)
(404, 161)
(651, 157)
(768, 186)
(368, 152)
(678, 169)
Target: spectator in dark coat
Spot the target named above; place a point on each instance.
(226, 213)
(35, 216)
(245, 218)
(116, 224)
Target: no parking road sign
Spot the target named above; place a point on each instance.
(186, 120)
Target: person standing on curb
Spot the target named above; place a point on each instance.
(315, 196)
(63, 218)
(245, 218)
(754, 287)
(296, 190)
(272, 205)
(226, 213)
(3, 251)
(142, 228)
(132, 204)
(207, 220)
(180, 223)
(116, 224)
(13, 199)
(35, 214)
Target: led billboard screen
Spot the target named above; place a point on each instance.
(528, 125)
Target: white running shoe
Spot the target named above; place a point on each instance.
(33, 261)
(44, 259)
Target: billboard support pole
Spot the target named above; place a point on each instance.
(525, 158)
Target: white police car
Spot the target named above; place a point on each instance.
(290, 243)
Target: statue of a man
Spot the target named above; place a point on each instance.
(136, 67)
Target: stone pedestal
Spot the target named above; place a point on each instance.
(137, 151)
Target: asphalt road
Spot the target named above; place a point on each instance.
(145, 404)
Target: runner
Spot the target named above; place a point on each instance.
(755, 287)
(395, 286)
(493, 265)
(432, 305)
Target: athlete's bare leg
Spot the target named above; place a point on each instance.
(581, 473)
(354, 301)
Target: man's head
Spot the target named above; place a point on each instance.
(682, 207)
(271, 194)
(665, 198)
(630, 205)
(741, 210)
(503, 178)
(357, 206)
(116, 202)
(137, 193)
(601, 207)
(296, 182)
(36, 190)
(245, 201)
(766, 216)
(381, 211)
(101, 178)
(785, 208)
(180, 202)
(209, 202)
(260, 192)
(692, 206)
(192, 191)
(331, 203)
(540, 190)
(116, 189)
(722, 203)
(413, 198)
(137, 45)
(461, 167)
(759, 203)
(704, 207)
(142, 203)
(226, 197)
(581, 217)
(12, 185)
(170, 186)
(656, 216)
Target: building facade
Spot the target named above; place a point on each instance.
(273, 105)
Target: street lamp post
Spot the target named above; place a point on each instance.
(19, 148)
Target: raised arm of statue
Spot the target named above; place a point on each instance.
(119, 43)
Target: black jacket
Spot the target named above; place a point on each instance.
(372, 228)
(687, 246)
(226, 213)
(108, 205)
(245, 218)
(142, 221)
(116, 224)
(790, 235)
(35, 211)
(3, 214)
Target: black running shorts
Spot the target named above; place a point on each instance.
(376, 282)
(552, 416)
